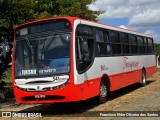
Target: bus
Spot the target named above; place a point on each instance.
(66, 59)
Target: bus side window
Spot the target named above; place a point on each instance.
(134, 44)
(108, 44)
(145, 45)
(150, 46)
(141, 45)
(125, 44)
(116, 44)
(103, 42)
(99, 36)
(100, 40)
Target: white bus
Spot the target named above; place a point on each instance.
(70, 59)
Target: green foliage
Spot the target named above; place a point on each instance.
(7, 75)
(157, 49)
(15, 12)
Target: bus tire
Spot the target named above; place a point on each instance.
(143, 80)
(103, 92)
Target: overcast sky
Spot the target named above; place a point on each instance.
(139, 15)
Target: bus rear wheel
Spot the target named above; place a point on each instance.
(143, 80)
(103, 92)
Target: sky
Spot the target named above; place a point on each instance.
(140, 15)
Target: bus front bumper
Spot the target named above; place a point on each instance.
(68, 93)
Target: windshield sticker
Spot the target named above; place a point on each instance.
(47, 71)
(29, 72)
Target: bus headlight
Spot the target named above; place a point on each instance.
(60, 86)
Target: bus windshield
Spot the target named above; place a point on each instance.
(42, 49)
(42, 55)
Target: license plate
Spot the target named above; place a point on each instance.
(40, 96)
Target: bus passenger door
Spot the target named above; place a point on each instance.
(84, 60)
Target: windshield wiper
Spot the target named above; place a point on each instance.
(50, 42)
(29, 44)
(54, 34)
(31, 49)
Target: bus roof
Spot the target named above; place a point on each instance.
(92, 23)
(116, 28)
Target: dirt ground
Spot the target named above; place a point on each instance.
(130, 99)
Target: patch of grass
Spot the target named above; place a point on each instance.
(8, 75)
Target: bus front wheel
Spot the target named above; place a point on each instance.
(103, 92)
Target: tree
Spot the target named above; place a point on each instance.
(9, 16)
(157, 49)
(15, 12)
